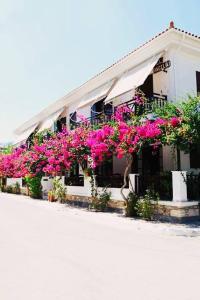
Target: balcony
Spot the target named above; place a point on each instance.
(156, 101)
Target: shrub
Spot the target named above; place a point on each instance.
(145, 207)
(59, 190)
(35, 187)
(131, 205)
(9, 189)
(16, 188)
(100, 201)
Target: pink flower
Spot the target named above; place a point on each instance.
(175, 121)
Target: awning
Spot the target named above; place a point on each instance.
(132, 79)
(96, 95)
(48, 123)
(25, 135)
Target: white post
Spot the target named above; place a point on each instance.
(133, 182)
(87, 184)
(179, 185)
(47, 185)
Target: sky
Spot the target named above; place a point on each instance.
(48, 48)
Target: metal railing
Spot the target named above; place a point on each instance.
(113, 181)
(193, 186)
(77, 180)
(156, 101)
(160, 183)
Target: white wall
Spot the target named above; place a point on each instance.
(169, 158)
(161, 79)
(81, 190)
(186, 65)
(85, 111)
(13, 181)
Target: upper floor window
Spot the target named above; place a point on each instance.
(147, 87)
(60, 124)
(72, 120)
(198, 83)
(99, 108)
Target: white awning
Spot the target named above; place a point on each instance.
(96, 95)
(24, 135)
(48, 123)
(133, 78)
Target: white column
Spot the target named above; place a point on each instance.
(47, 185)
(133, 183)
(87, 184)
(179, 185)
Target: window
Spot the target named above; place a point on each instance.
(72, 120)
(99, 109)
(195, 157)
(60, 124)
(198, 83)
(147, 87)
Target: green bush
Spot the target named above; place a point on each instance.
(35, 187)
(9, 189)
(59, 190)
(16, 188)
(100, 201)
(131, 205)
(146, 207)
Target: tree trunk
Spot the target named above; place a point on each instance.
(129, 160)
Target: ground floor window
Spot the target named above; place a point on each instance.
(195, 157)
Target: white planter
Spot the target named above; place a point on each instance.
(179, 185)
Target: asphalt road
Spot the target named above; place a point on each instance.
(51, 252)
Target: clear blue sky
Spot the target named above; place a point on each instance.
(49, 47)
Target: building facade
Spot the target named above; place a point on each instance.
(166, 68)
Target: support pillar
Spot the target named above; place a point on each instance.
(179, 185)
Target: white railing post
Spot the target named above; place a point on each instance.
(134, 182)
(87, 184)
(47, 185)
(179, 186)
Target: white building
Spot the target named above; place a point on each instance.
(166, 68)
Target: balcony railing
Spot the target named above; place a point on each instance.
(156, 101)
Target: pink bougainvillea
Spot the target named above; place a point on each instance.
(87, 145)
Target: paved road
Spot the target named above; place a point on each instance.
(50, 252)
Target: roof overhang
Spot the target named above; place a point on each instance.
(48, 123)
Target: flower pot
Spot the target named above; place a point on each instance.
(51, 198)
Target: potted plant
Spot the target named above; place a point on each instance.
(59, 190)
(51, 196)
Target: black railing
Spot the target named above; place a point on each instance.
(161, 184)
(156, 101)
(100, 118)
(113, 181)
(74, 180)
(193, 186)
